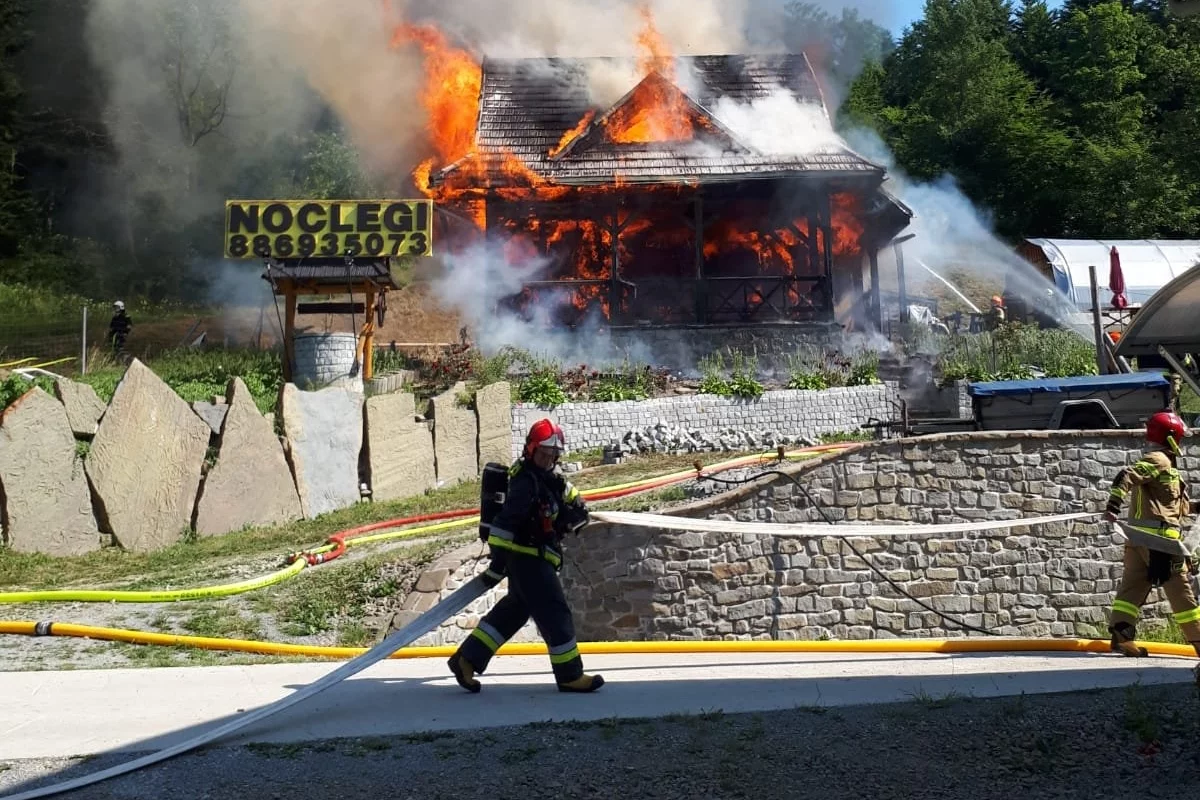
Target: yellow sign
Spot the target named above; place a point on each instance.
(328, 228)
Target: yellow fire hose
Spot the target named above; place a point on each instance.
(989, 645)
(254, 584)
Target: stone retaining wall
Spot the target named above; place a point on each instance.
(628, 583)
(794, 414)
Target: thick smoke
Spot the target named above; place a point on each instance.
(284, 63)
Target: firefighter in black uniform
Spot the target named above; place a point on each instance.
(119, 327)
(525, 539)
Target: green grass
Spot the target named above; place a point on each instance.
(36, 305)
(200, 374)
(338, 596)
(221, 620)
(202, 556)
(1189, 403)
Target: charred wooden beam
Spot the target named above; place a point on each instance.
(331, 308)
(701, 290)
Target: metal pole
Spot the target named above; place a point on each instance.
(1184, 374)
(83, 349)
(1101, 354)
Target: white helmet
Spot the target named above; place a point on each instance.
(119, 305)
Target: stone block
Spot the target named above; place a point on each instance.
(399, 449)
(84, 407)
(44, 495)
(324, 434)
(145, 462)
(493, 413)
(213, 414)
(251, 484)
(455, 436)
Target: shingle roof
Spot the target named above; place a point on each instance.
(527, 106)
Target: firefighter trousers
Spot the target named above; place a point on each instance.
(1136, 585)
(534, 591)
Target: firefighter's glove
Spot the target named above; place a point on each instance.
(575, 517)
(1110, 516)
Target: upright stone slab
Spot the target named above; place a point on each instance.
(493, 410)
(84, 407)
(455, 437)
(213, 414)
(251, 483)
(399, 449)
(145, 462)
(44, 490)
(324, 434)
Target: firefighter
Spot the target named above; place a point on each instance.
(1158, 504)
(998, 315)
(525, 539)
(119, 327)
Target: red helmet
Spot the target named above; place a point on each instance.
(545, 433)
(1166, 428)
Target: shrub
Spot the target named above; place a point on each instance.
(541, 388)
(1016, 352)
(14, 387)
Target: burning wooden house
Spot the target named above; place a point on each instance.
(651, 211)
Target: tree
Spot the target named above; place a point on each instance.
(1123, 181)
(199, 64)
(14, 201)
(954, 101)
(839, 46)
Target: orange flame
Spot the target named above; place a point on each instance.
(579, 246)
(655, 112)
(656, 52)
(453, 79)
(573, 134)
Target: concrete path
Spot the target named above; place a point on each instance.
(59, 714)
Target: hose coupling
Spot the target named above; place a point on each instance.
(44, 628)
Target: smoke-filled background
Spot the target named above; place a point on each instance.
(206, 100)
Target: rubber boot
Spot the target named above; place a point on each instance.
(582, 684)
(1123, 641)
(464, 673)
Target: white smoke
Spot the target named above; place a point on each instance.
(953, 235)
(290, 59)
(779, 124)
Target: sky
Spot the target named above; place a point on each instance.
(906, 12)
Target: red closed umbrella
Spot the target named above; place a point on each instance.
(1116, 280)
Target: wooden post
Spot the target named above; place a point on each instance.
(902, 284)
(614, 289)
(876, 300)
(289, 329)
(368, 360)
(701, 293)
(1098, 329)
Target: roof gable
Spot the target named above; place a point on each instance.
(655, 111)
(539, 112)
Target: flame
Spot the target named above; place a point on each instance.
(453, 79)
(656, 111)
(655, 247)
(573, 134)
(847, 224)
(656, 55)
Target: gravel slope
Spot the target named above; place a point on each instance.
(1138, 743)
